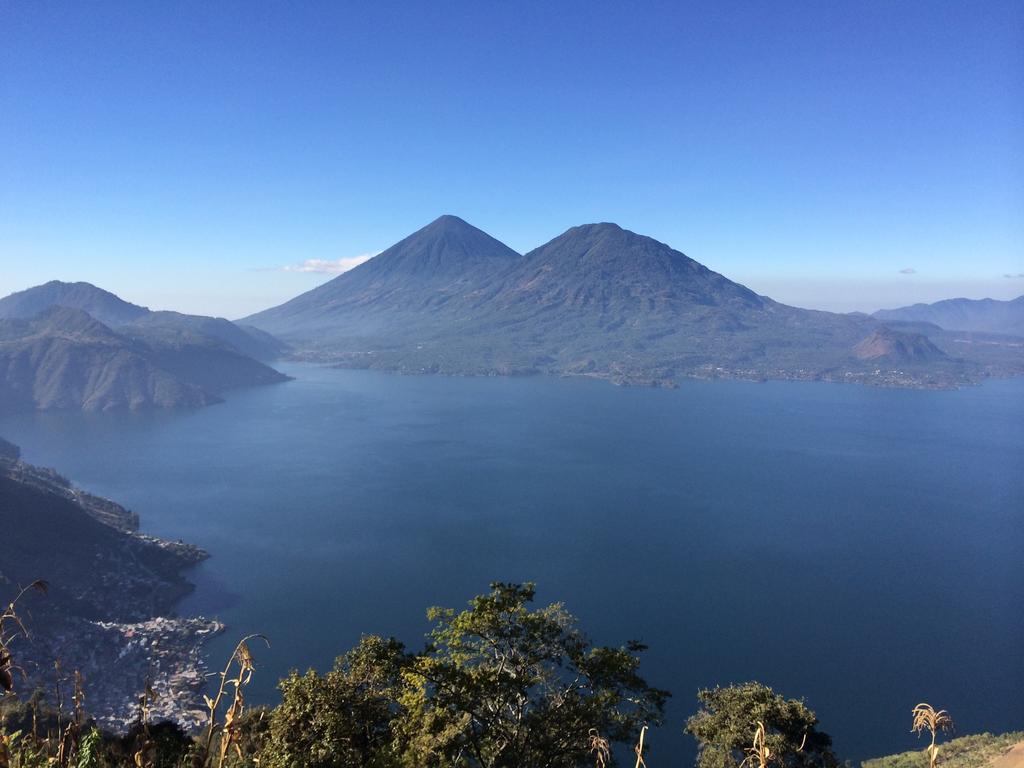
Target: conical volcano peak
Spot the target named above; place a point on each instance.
(607, 235)
(597, 230)
(618, 268)
(609, 242)
(427, 268)
(599, 227)
(450, 222)
(453, 233)
(446, 244)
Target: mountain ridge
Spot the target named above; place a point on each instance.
(139, 321)
(104, 306)
(595, 257)
(984, 315)
(597, 300)
(65, 358)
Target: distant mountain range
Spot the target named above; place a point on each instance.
(600, 301)
(596, 301)
(984, 315)
(57, 356)
(114, 312)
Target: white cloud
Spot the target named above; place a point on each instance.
(1014, 277)
(329, 266)
(908, 271)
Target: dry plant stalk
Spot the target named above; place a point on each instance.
(926, 718)
(758, 754)
(145, 757)
(69, 736)
(600, 749)
(73, 733)
(58, 692)
(230, 736)
(78, 699)
(8, 632)
(639, 749)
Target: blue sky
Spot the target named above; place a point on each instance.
(830, 154)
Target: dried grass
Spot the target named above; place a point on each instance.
(927, 719)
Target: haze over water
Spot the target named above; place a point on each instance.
(858, 547)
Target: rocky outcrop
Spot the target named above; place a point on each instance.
(897, 346)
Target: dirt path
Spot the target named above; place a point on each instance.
(1013, 758)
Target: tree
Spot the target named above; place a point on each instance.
(344, 719)
(728, 720)
(504, 686)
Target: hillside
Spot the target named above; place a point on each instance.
(598, 300)
(111, 591)
(102, 510)
(177, 327)
(64, 358)
(983, 315)
(101, 305)
(138, 321)
(599, 297)
(904, 347)
(975, 751)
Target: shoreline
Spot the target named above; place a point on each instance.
(111, 609)
(879, 379)
(118, 661)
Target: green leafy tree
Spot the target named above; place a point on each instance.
(504, 686)
(729, 717)
(344, 718)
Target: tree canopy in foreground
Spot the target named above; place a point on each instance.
(728, 718)
(500, 685)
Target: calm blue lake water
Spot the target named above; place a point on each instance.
(862, 548)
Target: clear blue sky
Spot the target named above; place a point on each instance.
(183, 154)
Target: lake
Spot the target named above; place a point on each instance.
(858, 547)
